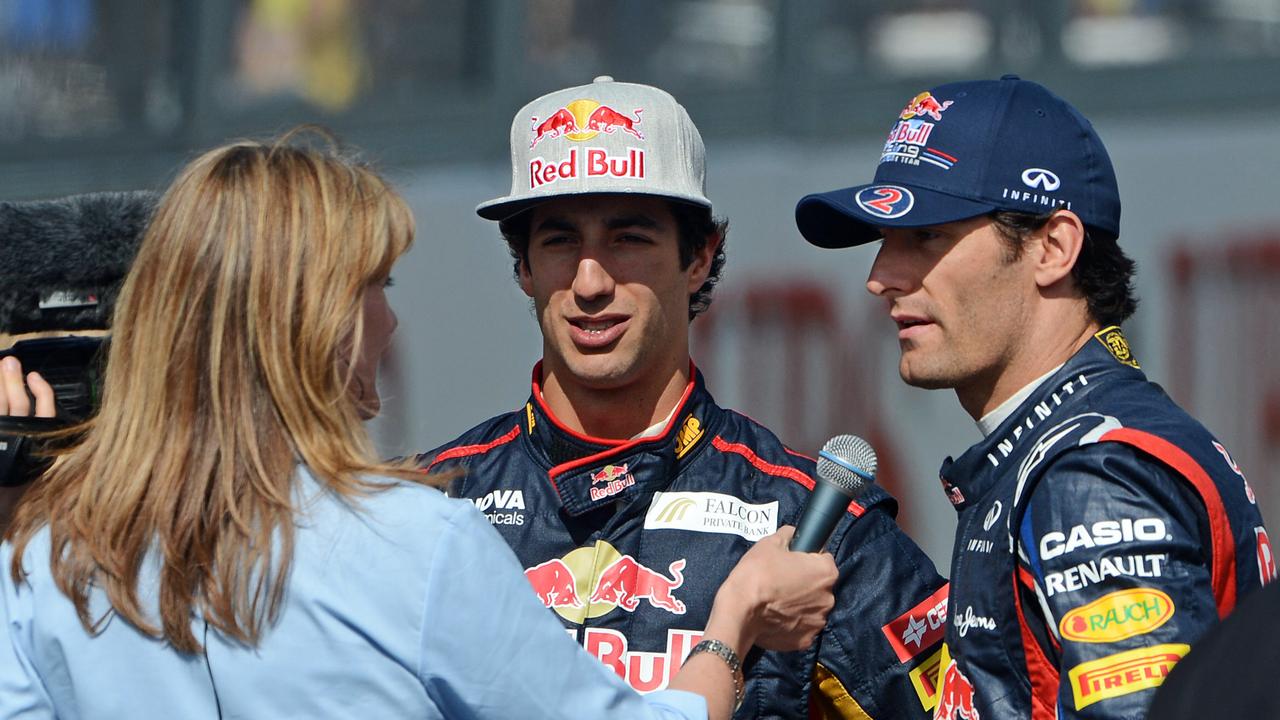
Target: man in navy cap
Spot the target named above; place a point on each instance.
(1102, 530)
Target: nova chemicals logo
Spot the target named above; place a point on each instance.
(1040, 178)
(885, 201)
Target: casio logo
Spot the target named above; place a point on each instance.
(1103, 532)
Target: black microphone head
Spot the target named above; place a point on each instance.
(65, 259)
(848, 462)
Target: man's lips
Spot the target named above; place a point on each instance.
(909, 326)
(597, 332)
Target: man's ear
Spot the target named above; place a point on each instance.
(700, 265)
(1061, 240)
(526, 278)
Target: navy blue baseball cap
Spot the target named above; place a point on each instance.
(967, 149)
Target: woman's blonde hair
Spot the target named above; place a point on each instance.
(230, 362)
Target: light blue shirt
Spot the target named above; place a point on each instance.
(407, 605)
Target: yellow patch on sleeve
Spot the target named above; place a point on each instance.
(1123, 673)
(831, 700)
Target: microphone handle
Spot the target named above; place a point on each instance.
(826, 505)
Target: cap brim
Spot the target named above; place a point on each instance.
(854, 215)
(504, 207)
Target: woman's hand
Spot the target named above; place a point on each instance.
(788, 594)
(13, 393)
(774, 598)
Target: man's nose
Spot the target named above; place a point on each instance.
(592, 280)
(889, 276)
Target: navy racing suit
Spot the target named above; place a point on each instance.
(628, 542)
(1102, 531)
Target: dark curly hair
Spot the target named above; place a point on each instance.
(1103, 272)
(694, 224)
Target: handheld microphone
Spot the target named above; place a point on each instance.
(846, 466)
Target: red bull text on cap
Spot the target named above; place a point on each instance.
(606, 137)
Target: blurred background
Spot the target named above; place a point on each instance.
(791, 97)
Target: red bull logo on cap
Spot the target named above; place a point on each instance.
(582, 120)
(924, 104)
(611, 479)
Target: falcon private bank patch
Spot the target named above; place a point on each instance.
(1117, 345)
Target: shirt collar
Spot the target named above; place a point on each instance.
(992, 420)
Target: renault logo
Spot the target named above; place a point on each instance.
(1041, 178)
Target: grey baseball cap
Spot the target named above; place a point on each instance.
(606, 137)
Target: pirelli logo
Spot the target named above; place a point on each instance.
(924, 678)
(528, 411)
(1123, 673)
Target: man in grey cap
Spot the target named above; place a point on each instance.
(625, 491)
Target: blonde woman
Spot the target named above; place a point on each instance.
(221, 541)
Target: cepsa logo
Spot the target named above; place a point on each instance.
(1123, 673)
(1118, 615)
(920, 627)
(592, 581)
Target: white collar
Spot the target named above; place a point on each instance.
(992, 420)
(655, 429)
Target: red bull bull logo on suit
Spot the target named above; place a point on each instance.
(956, 701)
(592, 581)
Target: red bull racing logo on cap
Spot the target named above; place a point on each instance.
(584, 119)
(908, 141)
(885, 201)
(924, 104)
(609, 481)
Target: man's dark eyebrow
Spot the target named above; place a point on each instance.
(632, 221)
(556, 223)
